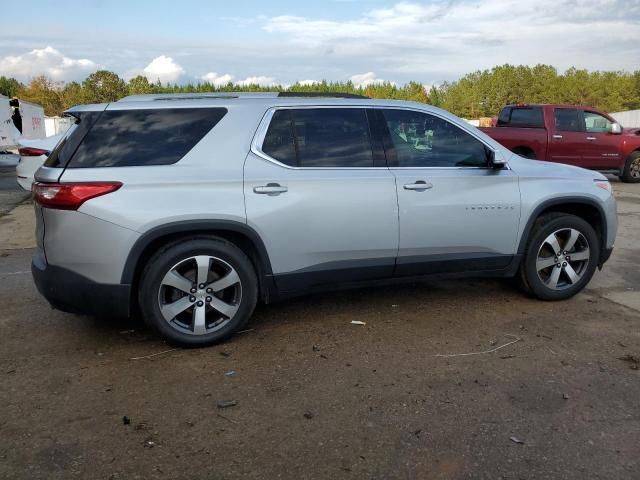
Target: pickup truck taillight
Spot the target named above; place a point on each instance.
(69, 196)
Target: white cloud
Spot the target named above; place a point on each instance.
(362, 80)
(446, 38)
(218, 80)
(163, 68)
(261, 80)
(47, 61)
(308, 83)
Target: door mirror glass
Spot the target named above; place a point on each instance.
(615, 128)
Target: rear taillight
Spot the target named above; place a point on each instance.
(69, 196)
(32, 152)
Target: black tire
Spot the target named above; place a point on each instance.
(166, 258)
(631, 171)
(544, 227)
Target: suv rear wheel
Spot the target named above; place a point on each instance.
(560, 258)
(199, 291)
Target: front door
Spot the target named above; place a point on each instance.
(456, 214)
(600, 150)
(320, 197)
(567, 139)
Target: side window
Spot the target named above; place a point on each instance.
(596, 123)
(320, 137)
(527, 117)
(567, 120)
(423, 140)
(504, 117)
(124, 138)
(278, 142)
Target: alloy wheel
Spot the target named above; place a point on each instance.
(563, 258)
(200, 294)
(634, 168)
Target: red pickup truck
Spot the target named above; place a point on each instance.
(580, 136)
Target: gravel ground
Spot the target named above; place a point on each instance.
(319, 397)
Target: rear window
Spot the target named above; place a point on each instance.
(320, 137)
(125, 138)
(531, 117)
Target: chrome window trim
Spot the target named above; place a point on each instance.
(261, 133)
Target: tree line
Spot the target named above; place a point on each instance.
(477, 94)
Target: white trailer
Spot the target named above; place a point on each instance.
(19, 119)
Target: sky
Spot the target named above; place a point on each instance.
(269, 42)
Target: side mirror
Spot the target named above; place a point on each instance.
(493, 162)
(615, 128)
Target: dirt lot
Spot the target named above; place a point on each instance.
(318, 397)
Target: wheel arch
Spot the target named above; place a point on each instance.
(585, 208)
(238, 233)
(524, 149)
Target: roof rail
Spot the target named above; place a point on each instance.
(196, 96)
(152, 97)
(321, 94)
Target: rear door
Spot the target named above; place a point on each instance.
(318, 193)
(601, 148)
(567, 137)
(456, 214)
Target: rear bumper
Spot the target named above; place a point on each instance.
(70, 292)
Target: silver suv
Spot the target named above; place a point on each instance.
(189, 209)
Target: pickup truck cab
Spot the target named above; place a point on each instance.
(575, 135)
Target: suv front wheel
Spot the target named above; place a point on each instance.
(561, 257)
(199, 291)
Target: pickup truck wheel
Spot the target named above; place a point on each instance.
(525, 152)
(631, 171)
(561, 257)
(198, 291)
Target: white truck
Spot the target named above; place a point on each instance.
(18, 120)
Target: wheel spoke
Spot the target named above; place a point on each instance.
(199, 320)
(578, 256)
(227, 309)
(552, 241)
(572, 240)
(175, 280)
(204, 264)
(571, 273)
(170, 310)
(229, 279)
(553, 278)
(545, 262)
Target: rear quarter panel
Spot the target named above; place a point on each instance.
(205, 184)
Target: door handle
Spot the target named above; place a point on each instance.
(270, 189)
(557, 137)
(419, 185)
(591, 138)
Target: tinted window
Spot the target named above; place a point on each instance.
(526, 117)
(278, 142)
(61, 154)
(422, 140)
(320, 137)
(504, 117)
(596, 123)
(124, 138)
(567, 120)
